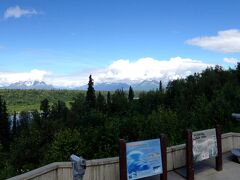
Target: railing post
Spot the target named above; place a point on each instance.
(189, 155)
(163, 144)
(219, 148)
(122, 160)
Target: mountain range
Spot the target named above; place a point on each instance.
(28, 85)
(145, 85)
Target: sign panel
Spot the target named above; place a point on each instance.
(204, 144)
(143, 159)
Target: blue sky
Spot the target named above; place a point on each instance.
(70, 39)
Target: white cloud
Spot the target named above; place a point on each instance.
(227, 41)
(129, 72)
(12, 77)
(231, 60)
(7, 78)
(67, 81)
(119, 71)
(149, 68)
(17, 12)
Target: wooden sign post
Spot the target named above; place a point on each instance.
(163, 139)
(189, 155)
(202, 139)
(123, 157)
(122, 160)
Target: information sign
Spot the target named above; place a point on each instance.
(144, 159)
(204, 144)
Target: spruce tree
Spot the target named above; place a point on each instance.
(238, 71)
(109, 102)
(160, 87)
(4, 125)
(130, 94)
(108, 98)
(100, 102)
(24, 119)
(91, 97)
(14, 125)
(44, 107)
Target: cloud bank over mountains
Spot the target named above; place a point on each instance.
(119, 71)
(7, 78)
(149, 68)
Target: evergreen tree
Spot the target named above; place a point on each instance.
(108, 98)
(160, 87)
(4, 125)
(119, 102)
(130, 94)
(14, 125)
(37, 120)
(25, 151)
(24, 119)
(101, 103)
(109, 102)
(90, 97)
(65, 143)
(238, 71)
(59, 112)
(44, 107)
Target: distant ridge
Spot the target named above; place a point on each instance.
(145, 85)
(29, 85)
(108, 86)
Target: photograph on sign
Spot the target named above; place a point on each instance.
(143, 159)
(204, 144)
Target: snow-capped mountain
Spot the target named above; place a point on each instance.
(145, 85)
(111, 86)
(29, 85)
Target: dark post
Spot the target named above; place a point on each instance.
(219, 148)
(189, 155)
(122, 160)
(163, 144)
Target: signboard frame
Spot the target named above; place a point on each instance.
(204, 145)
(189, 153)
(123, 158)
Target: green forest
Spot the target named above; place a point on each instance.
(29, 100)
(90, 123)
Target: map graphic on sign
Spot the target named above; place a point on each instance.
(143, 159)
(204, 144)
